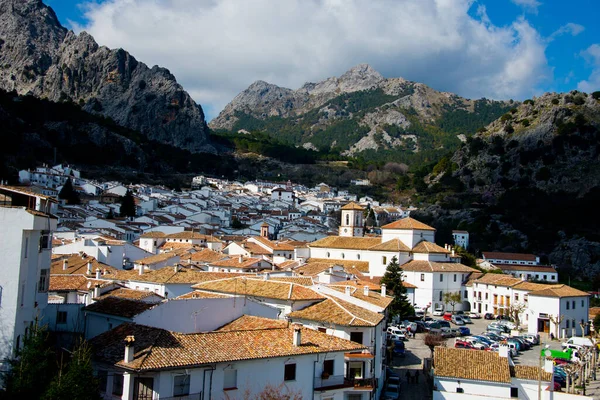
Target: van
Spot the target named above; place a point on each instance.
(580, 341)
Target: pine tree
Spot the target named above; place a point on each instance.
(127, 205)
(78, 382)
(30, 372)
(68, 193)
(393, 281)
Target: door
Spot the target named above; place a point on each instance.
(143, 388)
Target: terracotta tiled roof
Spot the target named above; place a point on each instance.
(594, 311)
(494, 255)
(204, 255)
(530, 373)
(130, 294)
(427, 247)
(351, 243)
(153, 234)
(260, 288)
(249, 323)
(498, 280)
(77, 265)
(199, 294)
(373, 297)
(255, 249)
(430, 266)
(120, 307)
(359, 284)
(299, 280)
(338, 312)
(408, 223)
(531, 286)
(175, 246)
(471, 364)
(186, 235)
(394, 245)
(67, 283)
(157, 349)
(156, 258)
(559, 291)
(352, 206)
(168, 275)
(234, 262)
(290, 264)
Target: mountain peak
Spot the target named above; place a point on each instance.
(363, 72)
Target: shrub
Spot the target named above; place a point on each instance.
(578, 100)
(555, 101)
(509, 129)
(142, 85)
(543, 174)
(525, 122)
(596, 95)
(528, 101)
(513, 110)
(506, 117)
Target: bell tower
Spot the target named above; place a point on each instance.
(352, 220)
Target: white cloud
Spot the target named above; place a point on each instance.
(592, 55)
(569, 28)
(217, 48)
(528, 5)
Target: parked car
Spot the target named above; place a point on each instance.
(392, 392)
(446, 332)
(474, 315)
(466, 319)
(447, 316)
(488, 316)
(460, 344)
(478, 344)
(461, 313)
(438, 312)
(399, 348)
(503, 317)
(464, 331)
(443, 323)
(535, 339)
(456, 320)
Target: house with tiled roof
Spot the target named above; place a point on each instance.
(239, 264)
(462, 373)
(544, 307)
(226, 363)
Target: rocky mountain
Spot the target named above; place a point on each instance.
(361, 112)
(530, 182)
(40, 57)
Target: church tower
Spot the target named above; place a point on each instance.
(352, 220)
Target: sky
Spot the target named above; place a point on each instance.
(498, 49)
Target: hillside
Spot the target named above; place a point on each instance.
(530, 182)
(361, 114)
(40, 57)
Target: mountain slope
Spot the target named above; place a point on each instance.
(40, 57)
(360, 113)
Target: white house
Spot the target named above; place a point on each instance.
(510, 258)
(461, 238)
(25, 246)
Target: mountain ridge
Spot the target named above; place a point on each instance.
(38, 56)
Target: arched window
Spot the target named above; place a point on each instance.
(328, 254)
(347, 219)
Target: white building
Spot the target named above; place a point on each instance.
(25, 246)
(510, 258)
(461, 238)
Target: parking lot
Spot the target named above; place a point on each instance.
(416, 352)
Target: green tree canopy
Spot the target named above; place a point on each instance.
(393, 281)
(68, 193)
(127, 205)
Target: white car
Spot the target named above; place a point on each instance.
(438, 313)
(474, 315)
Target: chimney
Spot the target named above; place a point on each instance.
(347, 290)
(383, 290)
(297, 338)
(141, 269)
(331, 270)
(176, 268)
(503, 350)
(65, 265)
(366, 290)
(96, 291)
(523, 277)
(267, 276)
(241, 259)
(98, 274)
(453, 253)
(89, 267)
(129, 340)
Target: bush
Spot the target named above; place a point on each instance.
(578, 100)
(513, 110)
(528, 101)
(525, 122)
(596, 95)
(509, 129)
(543, 174)
(506, 117)
(555, 101)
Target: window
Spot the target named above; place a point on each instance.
(26, 247)
(582, 301)
(343, 256)
(514, 392)
(516, 296)
(356, 337)
(358, 256)
(384, 260)
(355, 370)
(44, 281)
(441, 277)
(441, 296)
(486, 295)
(45, 241)
(573, 305)
(328, 367)
(422, 277)
(567, 324)
(545, 277)
(454, 277)
(568, 305)
(328, 254)
(102, 380)
(230, 379)
(61, 317)
(117, 388)
(320, 329)
(460, 390)
(466, 294)
(289, 373)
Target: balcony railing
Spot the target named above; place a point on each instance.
(365, 383)
(339, 381)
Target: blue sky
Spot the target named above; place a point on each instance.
(484, 48)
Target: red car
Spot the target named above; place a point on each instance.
(448, 316)
(459, 344)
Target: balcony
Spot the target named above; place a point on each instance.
(334, 382)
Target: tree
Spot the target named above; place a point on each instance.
(110, 214)
(68, 193)
(31, 371)
(393, 281)
(433, 340)
(452, 298)
(236, 223)
(515, 310)
(466, 258)
(78, 382)
(127, 205)
(596, 324)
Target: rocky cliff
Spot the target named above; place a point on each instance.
(359, 111)
(40, 57)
